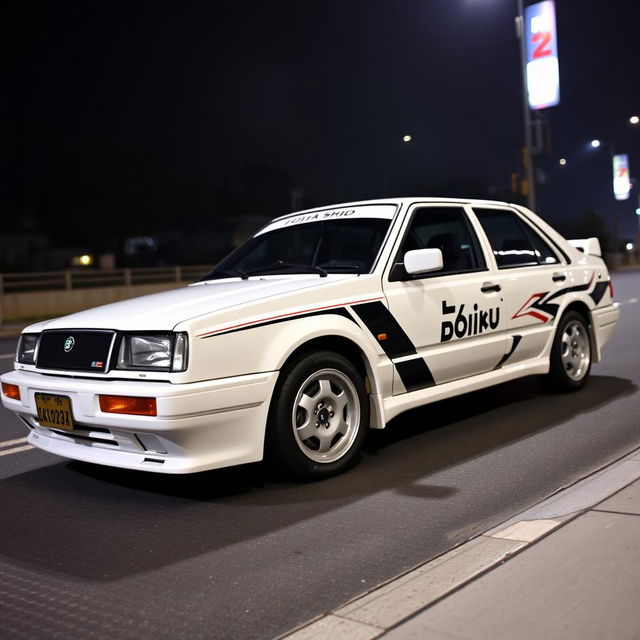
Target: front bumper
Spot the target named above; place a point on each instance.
(199, 426)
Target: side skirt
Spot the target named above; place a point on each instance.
(395, 405)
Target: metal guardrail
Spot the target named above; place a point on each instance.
(77, 279)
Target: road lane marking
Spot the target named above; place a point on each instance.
(10, 443)
(10, 446)
(6, 452)
(7, 355)
(624, 303)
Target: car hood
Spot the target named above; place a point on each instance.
(163, 311)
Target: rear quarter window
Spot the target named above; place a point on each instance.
(514, 244)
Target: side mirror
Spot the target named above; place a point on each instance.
(422, 261)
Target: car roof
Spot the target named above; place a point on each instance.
(397, 202)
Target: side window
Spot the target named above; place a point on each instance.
(513, 243)
(447, 229)
(544, 252)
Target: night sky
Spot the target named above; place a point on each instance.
(183, 113)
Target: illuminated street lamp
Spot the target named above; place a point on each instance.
(634, 119)
(595, 143)
(406, 138)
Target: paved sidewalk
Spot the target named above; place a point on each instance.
(583, 581)
(568, 568)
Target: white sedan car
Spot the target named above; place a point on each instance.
(324, 324)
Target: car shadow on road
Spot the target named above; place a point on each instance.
(101, 524)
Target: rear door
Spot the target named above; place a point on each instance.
(533, 277)
(452, 320)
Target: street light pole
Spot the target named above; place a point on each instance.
(529, 169)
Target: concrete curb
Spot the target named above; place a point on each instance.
(376, 612)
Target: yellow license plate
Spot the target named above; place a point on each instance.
(54, 411)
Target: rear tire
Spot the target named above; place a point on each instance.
(318, 417)
(570, 357)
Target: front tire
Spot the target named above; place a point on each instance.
(318, 417)
(570, 358)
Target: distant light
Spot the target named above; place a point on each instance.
(638, 211)
(628, 246)
(634, 119)
(563, 161)
(82, 261)
(406, 138)
(595, 143)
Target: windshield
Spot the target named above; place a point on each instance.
(326, 246)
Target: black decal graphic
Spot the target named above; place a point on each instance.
(506, 356)
(467, 325)
(415, 373)
(539, 305)
(598, 292)
(378, 319)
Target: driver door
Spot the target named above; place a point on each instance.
(454, 317)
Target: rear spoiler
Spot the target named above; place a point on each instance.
(590, 246)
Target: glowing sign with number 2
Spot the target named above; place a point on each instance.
(542, 49)
(543, 76)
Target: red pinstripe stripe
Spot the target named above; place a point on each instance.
(284, 315)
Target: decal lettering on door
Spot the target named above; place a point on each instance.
(467, 324)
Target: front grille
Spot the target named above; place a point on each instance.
(75, 350)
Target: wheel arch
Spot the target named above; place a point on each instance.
(356, 355)
(582, 308)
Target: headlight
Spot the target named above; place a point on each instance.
(28, 348)
(157, 351)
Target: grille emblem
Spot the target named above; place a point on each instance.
(69, 344)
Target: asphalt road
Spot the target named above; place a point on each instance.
(95, 552)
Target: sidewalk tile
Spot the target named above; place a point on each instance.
(626, 501)
(431, 582)
(583, 581)
(335, 628)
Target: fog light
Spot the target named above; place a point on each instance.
(128, 404)
(11, 391)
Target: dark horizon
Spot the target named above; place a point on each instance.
(174, 116)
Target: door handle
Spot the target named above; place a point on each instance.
(489, 287)
(558, 277)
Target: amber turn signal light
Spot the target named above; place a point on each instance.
(11, 391)
(128, 404)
